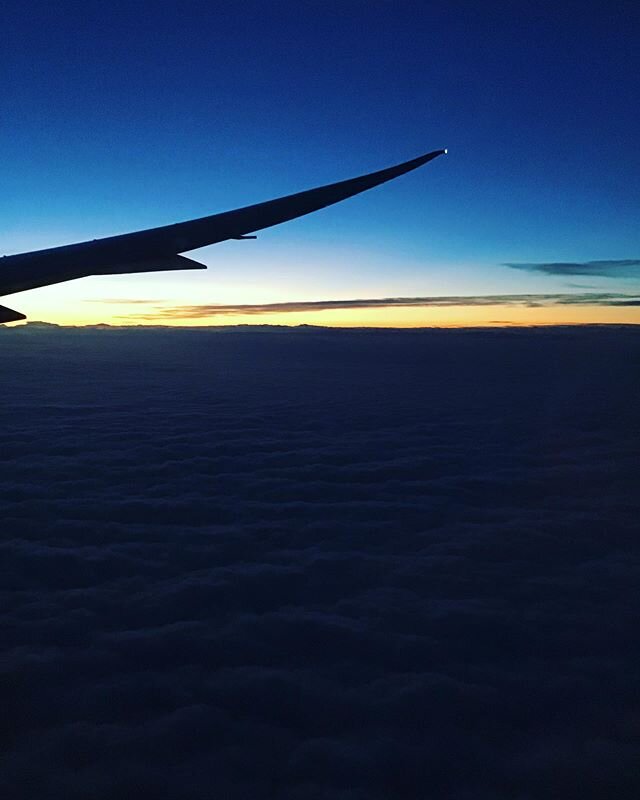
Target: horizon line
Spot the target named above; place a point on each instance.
(498, 325)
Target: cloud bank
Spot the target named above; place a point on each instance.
(511, 300)
(622, 268)
(320, 564)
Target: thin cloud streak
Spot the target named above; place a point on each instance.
(122, 301)
(512, 300)
(622, 268)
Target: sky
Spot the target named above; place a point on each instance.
(130, 115)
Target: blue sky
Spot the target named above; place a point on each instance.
(131, 115)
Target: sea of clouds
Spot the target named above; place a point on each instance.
(307, 564)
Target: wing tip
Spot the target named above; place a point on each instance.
(408, 166)
(435, 153)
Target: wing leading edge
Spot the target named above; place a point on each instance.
(157, 249)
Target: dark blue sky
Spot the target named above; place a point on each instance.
(126, 115)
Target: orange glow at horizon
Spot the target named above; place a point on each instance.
(454, 316)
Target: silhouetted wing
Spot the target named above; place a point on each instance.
(234, 224)
(157, 248)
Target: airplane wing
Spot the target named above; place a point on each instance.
(158, 249)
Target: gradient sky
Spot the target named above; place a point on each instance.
(122, 116)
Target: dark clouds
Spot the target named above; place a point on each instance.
(320, 564)
(513, 300)
(622, 268)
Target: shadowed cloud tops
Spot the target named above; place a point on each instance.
(313, 564)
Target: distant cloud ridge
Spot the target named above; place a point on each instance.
(622, 268)
(306, 306)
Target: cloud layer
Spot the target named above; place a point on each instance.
(320, 564)
(510, 300)
(622, 268)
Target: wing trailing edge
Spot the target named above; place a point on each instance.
(154, 265)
